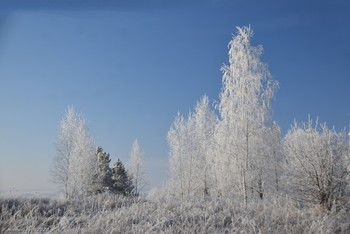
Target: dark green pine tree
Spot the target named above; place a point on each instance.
(122, 181)
(103, 177)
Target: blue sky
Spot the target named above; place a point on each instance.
(130, 66)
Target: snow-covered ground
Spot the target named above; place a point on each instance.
(116, 214)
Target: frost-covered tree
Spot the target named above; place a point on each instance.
(317, 164)
(202, 127)
(235, 154)
(74, 163)
(122, 182)
(136, 168)
(191, 152)
(103, 178)
(177, 140)
(84, 164)
(244, 107)
(64, 150)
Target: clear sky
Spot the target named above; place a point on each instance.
(130, 66)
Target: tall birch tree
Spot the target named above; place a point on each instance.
(245, 98)
(75, 162)
(204, 122)
(177, 140)
(191, 151)
(64, 150)
(136, 168)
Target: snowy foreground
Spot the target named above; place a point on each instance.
(115, 214)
